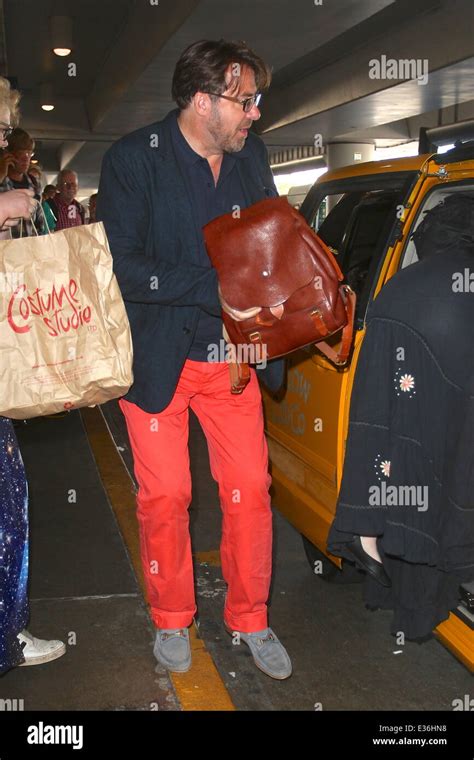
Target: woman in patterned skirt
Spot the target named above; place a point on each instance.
(17, 646)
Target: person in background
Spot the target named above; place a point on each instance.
(17, 645)
(14, 175)
(67, 210)
(92, 208)
(49, 192)
(34, 170)
(405, 512)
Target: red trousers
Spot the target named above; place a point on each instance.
(233, 426)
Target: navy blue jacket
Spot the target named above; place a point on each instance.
(149, 221)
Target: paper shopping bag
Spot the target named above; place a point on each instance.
(65, 339)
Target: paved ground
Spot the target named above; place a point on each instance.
(83, 590)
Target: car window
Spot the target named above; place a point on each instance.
(331, 216)
(356, 226)
(430, 200)
(358, 218)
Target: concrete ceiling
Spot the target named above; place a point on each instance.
(125, 52)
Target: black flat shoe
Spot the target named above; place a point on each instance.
(365, 562)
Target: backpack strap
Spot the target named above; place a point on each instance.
(340, 357)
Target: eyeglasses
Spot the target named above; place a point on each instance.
(246, 104)
(69, 184)
(23, 153)
(6, 132)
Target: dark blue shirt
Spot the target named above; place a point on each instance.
(151, 231)
(208, 201)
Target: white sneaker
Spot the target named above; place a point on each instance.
(36, 651)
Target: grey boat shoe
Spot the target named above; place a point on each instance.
(172, 649)
(268, 652)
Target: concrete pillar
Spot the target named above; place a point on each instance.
(3, 45)
(343, 154)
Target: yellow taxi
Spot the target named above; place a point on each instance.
(366, 214)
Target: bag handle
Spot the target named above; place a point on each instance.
(239, 376)
(33, 224)
(239, 371)
(341, 356)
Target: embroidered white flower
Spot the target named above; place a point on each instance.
(382, 467)
(407, 383)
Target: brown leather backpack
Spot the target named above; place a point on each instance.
(270, 257)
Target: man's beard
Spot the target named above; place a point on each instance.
(230, 143)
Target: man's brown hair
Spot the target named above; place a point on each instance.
(203, 66)
(20, 140)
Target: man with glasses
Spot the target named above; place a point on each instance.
(67, 211)
(6, 158)
(159, 186)
(15, 175)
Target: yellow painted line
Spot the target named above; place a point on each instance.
(209, 558)
(201, 688)
(117, 483)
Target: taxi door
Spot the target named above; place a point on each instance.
(359, 218)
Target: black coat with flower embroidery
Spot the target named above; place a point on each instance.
(409, 468)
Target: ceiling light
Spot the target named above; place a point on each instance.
(61, 35)
(46, 97)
